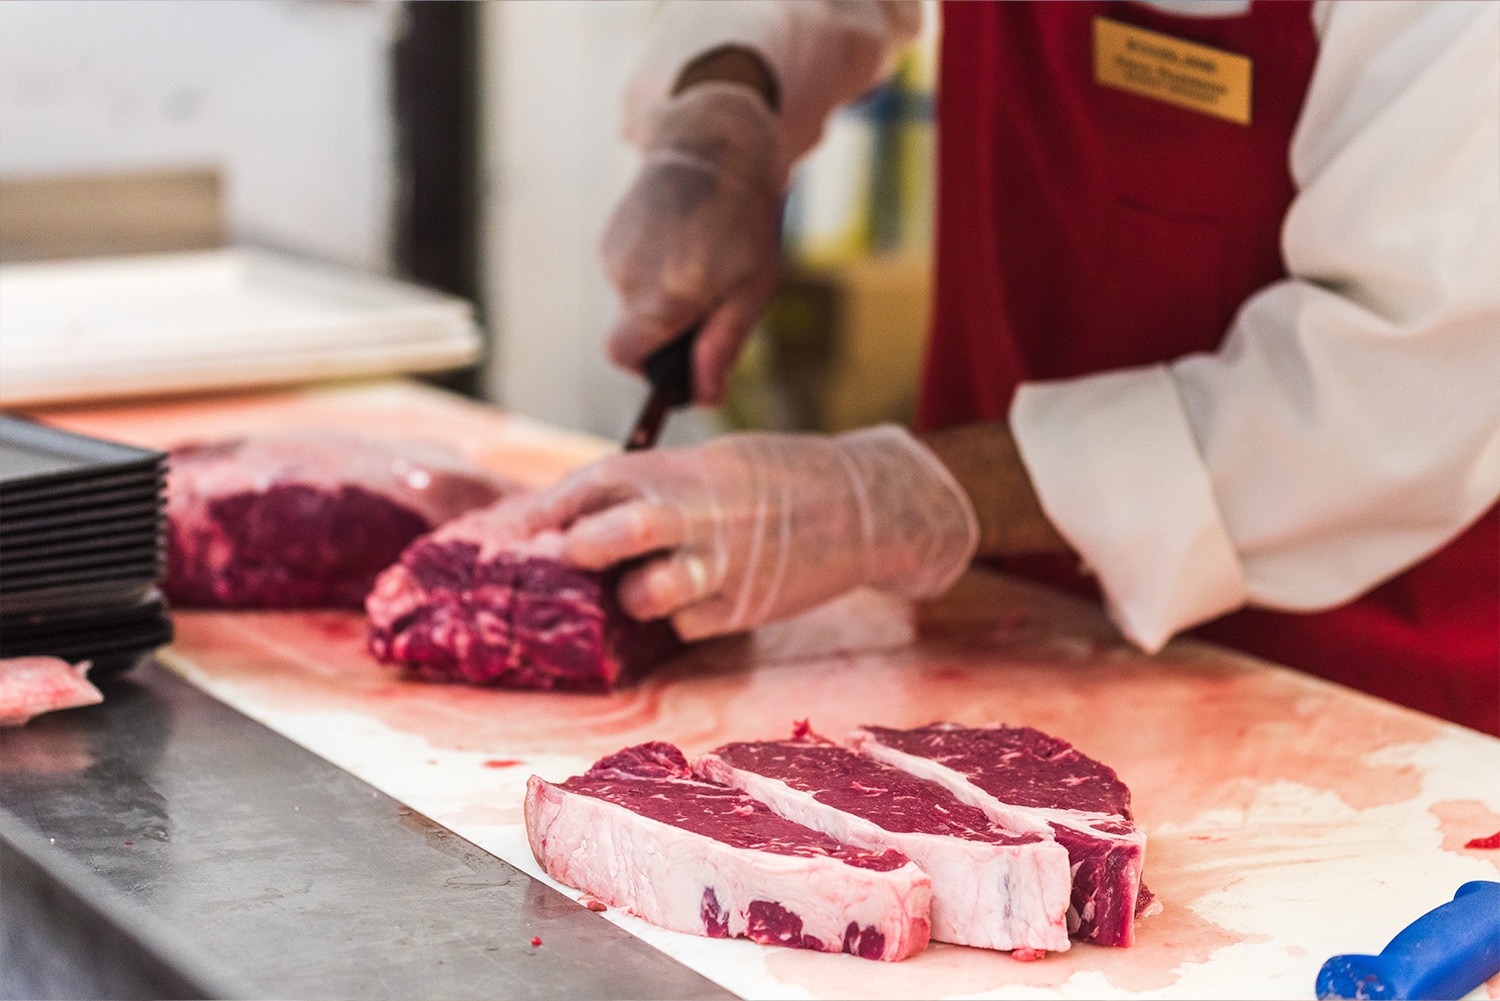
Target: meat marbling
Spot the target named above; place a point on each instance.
(475, 603)
(639, 832)
(991, 887)
(1026, 780)
(304, 519)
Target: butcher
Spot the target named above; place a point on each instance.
(1216, 332)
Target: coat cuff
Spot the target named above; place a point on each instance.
(1115, 464)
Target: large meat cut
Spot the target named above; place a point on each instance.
(991, 886)
(473, 603)
(304, 519)
(639, 832)
(1026, 780)
(30, 686)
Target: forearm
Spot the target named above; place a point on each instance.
(817, 55)
(984, 460)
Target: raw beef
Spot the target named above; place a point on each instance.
(30, 686)
(1026, 780)
(991, 887)
(304, 519)
(473, 603)
(638, 832)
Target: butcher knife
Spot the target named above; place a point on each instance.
(1445, 953)
(669, 370)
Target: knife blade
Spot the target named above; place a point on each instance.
(669, 370)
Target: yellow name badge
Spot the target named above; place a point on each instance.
(1169, 69)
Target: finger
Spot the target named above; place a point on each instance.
(721, 342)
(514, 518)
(618, 533)
(636, 335)
(594, 487)
(664, 586)
(704, 619)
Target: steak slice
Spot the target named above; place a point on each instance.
(638, 832)
(304, 519)
(991, 887)
(1023, 779)
(470, 603)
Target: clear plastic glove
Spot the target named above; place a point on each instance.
(697, 236)
(751, 528)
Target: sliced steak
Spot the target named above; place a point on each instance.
(638, 832)
(304, 519)
(1026, 780)
(991, 887)
(473, 605)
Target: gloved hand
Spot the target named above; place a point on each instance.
(697, 236)
(751, 528)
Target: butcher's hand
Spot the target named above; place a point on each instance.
(751, 528)
(697, 236)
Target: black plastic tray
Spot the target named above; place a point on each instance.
(145, 568)
(33, 455)
(77, 596)
(109, 654)
(74, 646)
(147, 483)
(148, 608)
(88, 560)
(89, 539)
(23, 510)
(141, 513)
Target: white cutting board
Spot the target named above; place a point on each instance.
(128, 326)
(1288, 819)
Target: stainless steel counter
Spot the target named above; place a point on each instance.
(163, 845)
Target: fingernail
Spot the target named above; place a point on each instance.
(697, 573)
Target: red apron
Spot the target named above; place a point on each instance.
(1081, 228)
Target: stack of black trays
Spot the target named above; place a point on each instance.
(82, 546)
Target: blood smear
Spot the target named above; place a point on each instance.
(1493, 841)
(1027, 955)
(501, 763)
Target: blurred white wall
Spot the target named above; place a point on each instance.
(290, 99)
(554, 164)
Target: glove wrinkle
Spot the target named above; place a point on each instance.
(752, 528)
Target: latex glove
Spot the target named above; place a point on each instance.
(697, 236)
(751, 528)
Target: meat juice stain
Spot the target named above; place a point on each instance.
(1189, 731)
(1459, 820)
(502, 763)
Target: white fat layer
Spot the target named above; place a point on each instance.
(1025, 818)
(993, 896)
(659, 872)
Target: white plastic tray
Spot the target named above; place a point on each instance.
(127, 326)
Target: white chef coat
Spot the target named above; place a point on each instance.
(1349, 423)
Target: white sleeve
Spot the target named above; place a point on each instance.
(822, 52)
(1349, 425)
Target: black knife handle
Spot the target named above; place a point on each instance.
(669, 368)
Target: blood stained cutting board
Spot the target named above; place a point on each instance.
(1288, 819)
